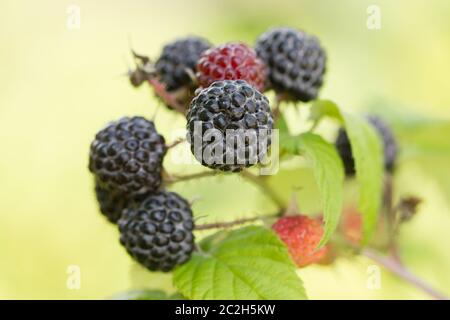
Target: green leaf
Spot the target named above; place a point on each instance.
(146, 295)
(247, 263)
(329, 174)
(321, 108)
(367, 151)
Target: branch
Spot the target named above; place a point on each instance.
(233, 223)
(267, 189)
(398, 269)
(276, 108)
(174, 179)
(168, 98)
(175, 143)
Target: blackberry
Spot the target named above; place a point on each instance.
(158, 233)
(295, 60)
(126, 156)
(178, 57)
(112, 203)
(231, 61)
(229, 125)
(390, 146)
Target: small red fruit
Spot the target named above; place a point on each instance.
(351, 226)
(231, 61)
(301, 235)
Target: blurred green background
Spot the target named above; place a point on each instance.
(60, 85)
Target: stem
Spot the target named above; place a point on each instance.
(168, 98)
(175, 143)
(276, 109)
(398, 269)
(175, 179)
(267, 189)
(233, 223)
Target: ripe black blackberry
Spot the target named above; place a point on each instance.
(390, 146)
(177, 60)
(240, 120)
(158, 233)
(296, 62)
(126, 156)
(112, 203)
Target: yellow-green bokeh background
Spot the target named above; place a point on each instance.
(59, 86)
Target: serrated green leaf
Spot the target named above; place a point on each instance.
(146, 295)
(367, 151)
(368, 154)
(329, 174)
(247, 263)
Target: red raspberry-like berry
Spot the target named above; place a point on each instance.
(301, 235)
(351, 226)
(231, 61)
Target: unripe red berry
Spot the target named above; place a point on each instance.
(231, 61)
(301, 235)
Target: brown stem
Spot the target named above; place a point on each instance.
(169, 99)
(175, 143)
(276, 109)
(174, 179)
(267, 189)
(398, 269)
(229, 224)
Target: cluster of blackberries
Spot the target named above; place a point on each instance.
(229, 124)
(287, 60)
(155, 225)
(229, 120)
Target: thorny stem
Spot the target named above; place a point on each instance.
(228, 224)
(262, 183)
(398, 269)
(174, 179)
(259, 181)
(175, 143)
(168, 98)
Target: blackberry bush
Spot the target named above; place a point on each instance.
(230, 128)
